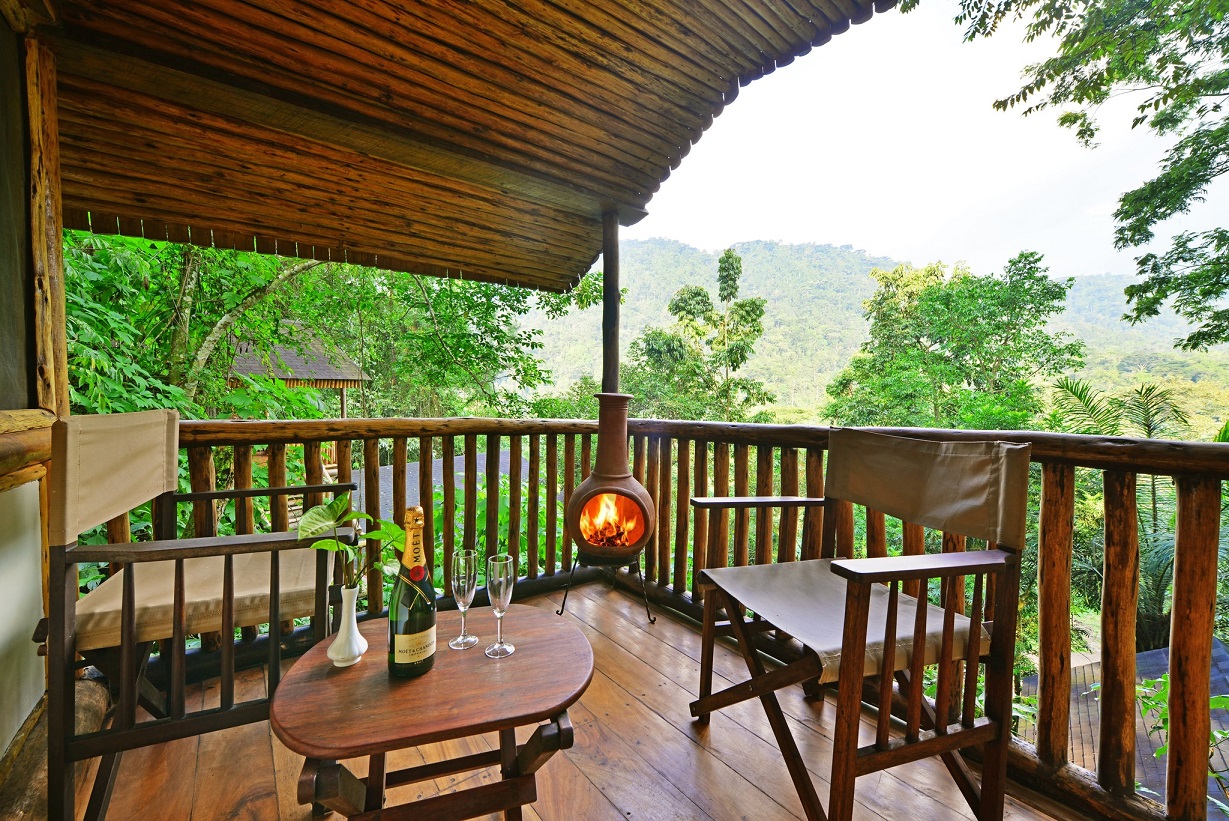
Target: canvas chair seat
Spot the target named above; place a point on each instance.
(98, 613)
(792, 597)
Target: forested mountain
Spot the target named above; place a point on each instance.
(813, 324)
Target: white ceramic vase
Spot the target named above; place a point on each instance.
(349, 645)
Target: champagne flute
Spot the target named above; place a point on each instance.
(464, 583)
(500, 576)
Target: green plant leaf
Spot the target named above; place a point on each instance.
(323, 518)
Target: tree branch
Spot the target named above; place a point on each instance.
(223, 325)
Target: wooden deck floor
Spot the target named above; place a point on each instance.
(637, 754)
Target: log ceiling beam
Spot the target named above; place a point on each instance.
(344, 129)
(24, 15)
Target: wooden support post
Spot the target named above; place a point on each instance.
(47, 230)
(610, 302)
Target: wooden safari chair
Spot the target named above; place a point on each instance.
(102, 467)
(854, 620)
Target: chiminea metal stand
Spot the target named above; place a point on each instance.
(584, 560)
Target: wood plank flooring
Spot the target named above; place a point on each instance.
(637, 753)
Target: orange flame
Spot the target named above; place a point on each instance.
(611, 520)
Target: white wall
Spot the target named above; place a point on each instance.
(21, 606)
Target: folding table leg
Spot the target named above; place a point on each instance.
(708, 637)
(776, 718)
(507, 754)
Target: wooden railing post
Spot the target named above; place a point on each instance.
(1190, 647)
(1054, 604)
(371, 505)
(1119, 593)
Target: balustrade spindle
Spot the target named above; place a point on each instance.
(813, 517)
(279, 510)
(1192, 617)
(313, 474)
(492, 495)
(569, 484)
(449, 480)
(401, 458)
(552, 503)
(653, 485)
(876, 534)
(665, 457)
(533, 507)
(426, 498)
(1119, 593)
(515, 478)
(763, 515)
(469, 525)
(699, 544)
(586, 456)
(371, 505)
(119, 531)
(742, 516)
(202, 477)
(1054, 606)
(682, 517)
(913, 543)
(719, 518)
(787, 542)
(245, 511)
(345, 475)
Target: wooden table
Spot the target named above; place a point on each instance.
(328, 713)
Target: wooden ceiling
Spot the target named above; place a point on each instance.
(478, 139)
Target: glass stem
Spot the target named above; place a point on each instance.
(499, 629)
(462, 622)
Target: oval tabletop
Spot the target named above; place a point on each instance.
(328, 712)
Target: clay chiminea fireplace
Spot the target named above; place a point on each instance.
(610, 515)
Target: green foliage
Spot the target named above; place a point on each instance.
(689, 371)
(1171, 53)
(950, 349)
(331, 517)
(157, 324)
(1153, 698)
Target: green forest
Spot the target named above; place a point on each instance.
(814, 321)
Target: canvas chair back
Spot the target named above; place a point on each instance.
(105, 465)
(975, 489)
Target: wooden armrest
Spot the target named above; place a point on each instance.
(748, 502)
(907, 568)
(195, 548)
(246, 493)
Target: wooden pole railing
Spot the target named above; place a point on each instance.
(676, 460)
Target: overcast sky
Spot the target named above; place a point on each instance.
(885, 139)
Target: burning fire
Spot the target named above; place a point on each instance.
(611, 520)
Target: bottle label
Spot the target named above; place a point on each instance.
(414, 647)
(414, 557)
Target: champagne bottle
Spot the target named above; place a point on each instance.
(411, 610)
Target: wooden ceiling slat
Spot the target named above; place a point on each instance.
(141, 126)
(166, 201)
(160, 203)
(430, 77)
(476, 70)
(657, 77)
(712, 24)
(347, 83)
(107, 222)
(630, 82)
(158, 82)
